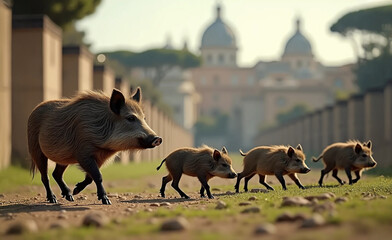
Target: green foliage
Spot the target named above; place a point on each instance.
(161, 60)
(63, 13)
(295, 112)
(212, 126)
(374, 26)
(376, 20)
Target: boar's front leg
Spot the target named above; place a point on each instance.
(358, 175)
(202, 195)
(205, 185)
(348, 172)
(335, 175)
(90, 166)
(58, 176)
(294, 177)
(262, 181)
(279, 176)
(82, 185)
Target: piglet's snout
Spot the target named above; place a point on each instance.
(156, 141)
(305, 170)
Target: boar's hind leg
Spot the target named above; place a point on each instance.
(176, 181)
(42, 165)
(90, 166)
(204, 185)
(165, 180)
(58, 176)
(262, 181)
(281, 180)
(294, 177)
(335, 175)
(82, 185)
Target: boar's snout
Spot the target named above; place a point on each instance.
(232, 175)
(305, 170)
(151, 141)
(372, 164)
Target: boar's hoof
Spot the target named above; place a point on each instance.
(69, 197)
(105, 200)
(302, 187)
(185, 196)
(211, 197)
(52, 199)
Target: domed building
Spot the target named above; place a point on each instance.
(218, 44)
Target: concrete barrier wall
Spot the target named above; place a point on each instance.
(361, 117)
(5, 84)
(77, 70)
(36, 74)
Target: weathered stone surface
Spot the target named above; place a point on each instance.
(252, 198)
(266, 228)
(325, 207)
(221, 205)
(341, 200)
(288, 217)
(177, 224)
(167, 204)
(96, 219)
(295, 201)
(244, 204)
(251, 210)
(155, 204)
(258, 190)
(21, 227)
(315, 221)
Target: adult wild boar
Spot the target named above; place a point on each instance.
(273, 160)
(203, 163)
(350, 156)
(86, 130)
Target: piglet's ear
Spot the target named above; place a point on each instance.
(369, 144)
(117, 101)
(216, 155)
(290, 152)
(224, 150)
(358, 148)
(299, 147)
(138, 95)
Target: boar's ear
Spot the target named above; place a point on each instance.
(290, 152)
(299, 147)
(216, 155)
(138, 95)
(117, 101)
(358, 148)
(224, 150)
(369, 144)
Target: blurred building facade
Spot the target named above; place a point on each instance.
(254, 96)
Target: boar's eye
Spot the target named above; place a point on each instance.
(131, 118)
(298, 160)
(364, 155)
(225, 165)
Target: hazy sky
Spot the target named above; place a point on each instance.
(262, 27)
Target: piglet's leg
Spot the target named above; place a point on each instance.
(358, 175)
(90, 166)
(335, 175)
(204, 184)
(279, 176)
(294, 177)
(262, 181)
(58, 176)
(247, 178)
(348, 172)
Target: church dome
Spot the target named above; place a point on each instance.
(218, 34)
(298, 43)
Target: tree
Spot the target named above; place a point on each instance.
(160, 60)
(63, 13)
(370, 31)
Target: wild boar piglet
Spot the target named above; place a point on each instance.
(203, 163)
(273, 160)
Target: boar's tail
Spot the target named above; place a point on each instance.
(159, 167)
(242, 153)
(317, 159)
(32, 169)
